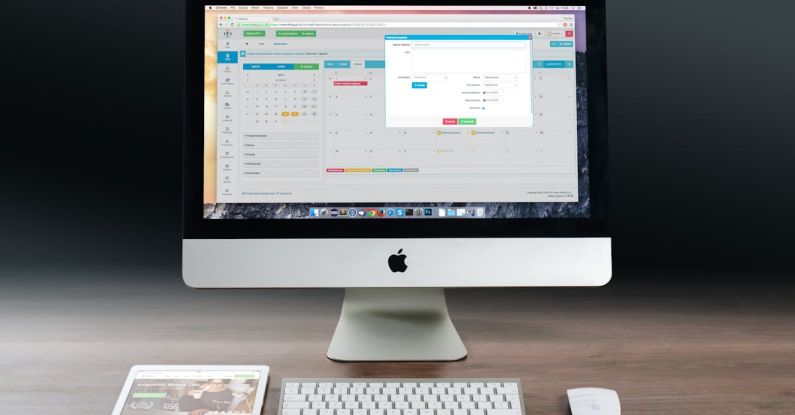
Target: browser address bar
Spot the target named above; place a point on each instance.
(417, 24)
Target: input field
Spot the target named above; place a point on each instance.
(489, 45)
(464, 60)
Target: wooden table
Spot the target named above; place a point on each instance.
(67, 341)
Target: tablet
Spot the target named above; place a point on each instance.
(193, 390)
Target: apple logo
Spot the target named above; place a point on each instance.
(397, 262)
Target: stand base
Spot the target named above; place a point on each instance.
(395, 324)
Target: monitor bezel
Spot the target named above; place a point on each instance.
(195, 226)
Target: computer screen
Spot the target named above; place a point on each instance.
(395, 112)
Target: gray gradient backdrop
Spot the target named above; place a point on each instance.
(701, 123)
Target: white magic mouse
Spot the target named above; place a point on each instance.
(594, 401)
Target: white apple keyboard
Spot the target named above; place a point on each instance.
(401, 397)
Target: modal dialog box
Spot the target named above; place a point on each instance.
(458, 80)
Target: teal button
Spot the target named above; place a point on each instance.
(553, 64)
(561, 43)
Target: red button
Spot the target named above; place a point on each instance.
(569, 33)
(449, 121)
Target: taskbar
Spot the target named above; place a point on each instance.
(326, 212)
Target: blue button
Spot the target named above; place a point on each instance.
(395, 170)
(336, 64)
(553, 64)
(268, 66)
(227, 56)
(374, 64)
(419, 85)
(561, 43)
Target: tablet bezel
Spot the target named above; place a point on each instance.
(259, 398)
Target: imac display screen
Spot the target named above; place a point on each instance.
(395, 112)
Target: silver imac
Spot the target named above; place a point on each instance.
(395, 151)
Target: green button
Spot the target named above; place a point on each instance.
(467, 121)
(254, 33)
(149, 395)
(306, 66)
(379, 170)
(296, 33)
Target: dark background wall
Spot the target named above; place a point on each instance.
(701, 130)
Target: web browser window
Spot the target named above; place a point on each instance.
(321, 112)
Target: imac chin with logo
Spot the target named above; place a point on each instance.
(395, 153)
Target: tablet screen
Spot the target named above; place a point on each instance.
(192, 392)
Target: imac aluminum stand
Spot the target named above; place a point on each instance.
(395, 324)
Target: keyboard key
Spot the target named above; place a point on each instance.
(294, 398)
(295, 405)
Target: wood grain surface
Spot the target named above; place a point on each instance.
(67, 341)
